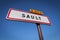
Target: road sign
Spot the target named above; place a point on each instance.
(27, 17)
(34, 16)
(36, 11)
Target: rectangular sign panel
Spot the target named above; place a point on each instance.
(27, 17)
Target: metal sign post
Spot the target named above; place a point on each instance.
(39, 32)
(38, 24)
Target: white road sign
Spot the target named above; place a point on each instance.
(27, 17)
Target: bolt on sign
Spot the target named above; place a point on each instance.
(18, 15)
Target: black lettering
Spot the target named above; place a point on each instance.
(39, 18)
(28, 16)
(23, 15)
(36, 17)
(32, 17)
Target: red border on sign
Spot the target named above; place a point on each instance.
(7, 17)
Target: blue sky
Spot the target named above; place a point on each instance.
(14, 30)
